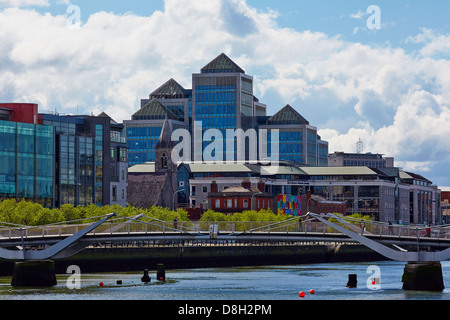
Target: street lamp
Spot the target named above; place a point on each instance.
(173, 198)
(353, 206)
(251, 200)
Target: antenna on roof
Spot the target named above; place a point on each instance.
(359, 146)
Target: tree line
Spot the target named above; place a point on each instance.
(34, 214)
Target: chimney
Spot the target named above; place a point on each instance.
(246, 184)
(261, 186)
(214, 187)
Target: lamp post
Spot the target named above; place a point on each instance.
(353, 206)
(251, 200)
(173, 198)
(307, 205)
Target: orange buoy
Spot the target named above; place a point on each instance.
(301, 294)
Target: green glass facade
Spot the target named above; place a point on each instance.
(27, 166)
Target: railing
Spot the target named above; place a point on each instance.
(149, 225)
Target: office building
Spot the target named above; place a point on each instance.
(91, 160)
(222, 98)
(27, 155)
(169, 102)
(339, 159)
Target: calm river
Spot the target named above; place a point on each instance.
(240, 283)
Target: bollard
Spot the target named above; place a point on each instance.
(161, 272)
(352, 281)
(145, 278)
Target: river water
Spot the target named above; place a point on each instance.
(236, 284)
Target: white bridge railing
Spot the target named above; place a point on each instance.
(143, 224)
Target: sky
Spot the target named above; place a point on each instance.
(378, 71)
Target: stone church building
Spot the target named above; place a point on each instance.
(155, 183)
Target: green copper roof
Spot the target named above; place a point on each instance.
(169, 90)
(287, 115)
(222, 64)
(152, 111)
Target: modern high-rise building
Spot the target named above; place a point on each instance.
(91, 160)
(27, 155)
(222, 101)
(55, 160)
(172, 102)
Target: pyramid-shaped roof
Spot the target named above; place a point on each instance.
(169, 90)
(105, 115)
(222, 64)
(154, 110)
(287, 115)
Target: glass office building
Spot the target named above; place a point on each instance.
(221, 98)
(90, 160)
(27, 165)
(298, 140)
(170, 101)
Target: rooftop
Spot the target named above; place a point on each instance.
(169, 90)
(288, 115)
(154, 110)
(222, 64)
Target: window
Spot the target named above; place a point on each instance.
(205, 189)
(229, 203)
(123, 194)
(217, 205)
(245, 205)
(114, 193)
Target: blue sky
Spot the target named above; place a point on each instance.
(388, 86)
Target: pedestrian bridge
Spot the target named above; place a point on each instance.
(57, 241)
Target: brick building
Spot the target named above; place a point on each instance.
(239, 198)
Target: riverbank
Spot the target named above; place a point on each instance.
(123, 259)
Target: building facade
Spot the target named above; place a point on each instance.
(385, 195)
(55, 160)
(91, 160)
(339, 159)
(221, 102)
(445, 206)
(27, 162)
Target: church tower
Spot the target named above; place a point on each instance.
(165, 166)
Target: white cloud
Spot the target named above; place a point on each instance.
(23, 3)
(358, 15)
(397, 103)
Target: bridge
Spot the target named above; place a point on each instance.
(422, 248)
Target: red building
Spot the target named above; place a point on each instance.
(317, 204)
(239, 198)
(19, 112)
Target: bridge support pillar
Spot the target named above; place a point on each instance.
(39, 273)
(423, 276)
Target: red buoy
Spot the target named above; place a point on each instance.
(301, 294)
(101, 284)
(312, 291)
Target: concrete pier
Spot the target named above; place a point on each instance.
(423, 276)
(39, 273)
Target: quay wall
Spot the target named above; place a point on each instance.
(122, 259)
